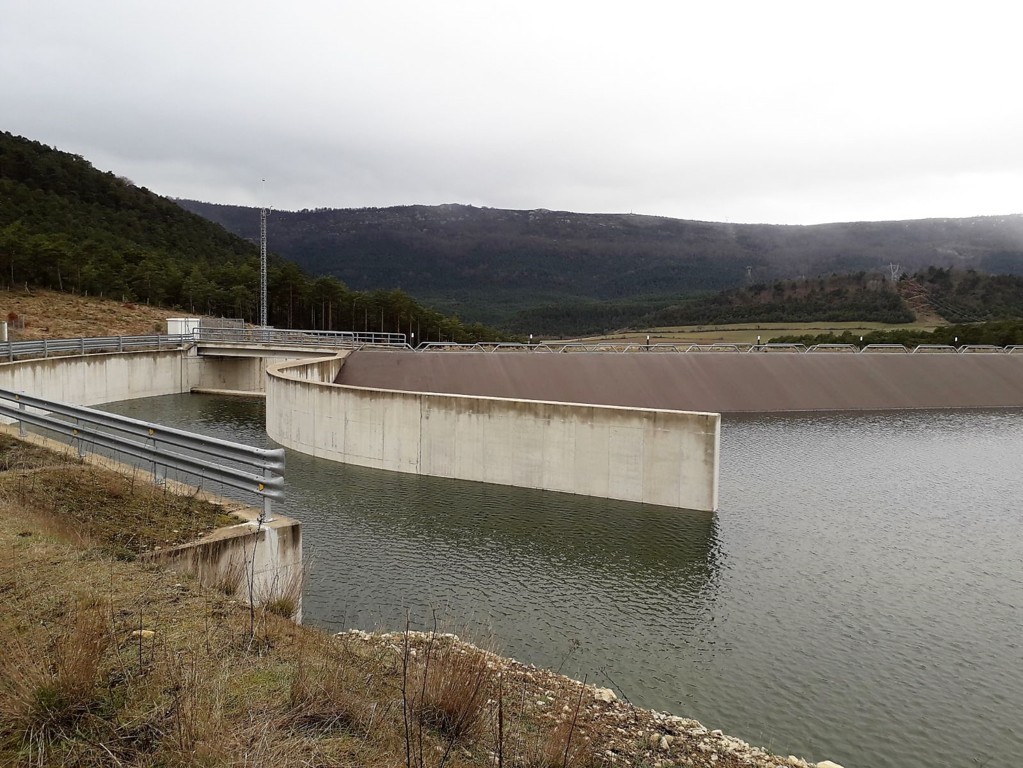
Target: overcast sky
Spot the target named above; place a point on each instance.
(742, 111)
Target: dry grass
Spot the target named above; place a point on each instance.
(447, 688)
(52, 682)
(128, 515)
(115, 663)
(53, 315)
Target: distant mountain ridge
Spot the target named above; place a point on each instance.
(68, 226)
(491, 264)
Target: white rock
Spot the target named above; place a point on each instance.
(827, 764)
(604, 694)
(664, 744)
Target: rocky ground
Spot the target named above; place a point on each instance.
(623, 734)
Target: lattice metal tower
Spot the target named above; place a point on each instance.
(262, 264)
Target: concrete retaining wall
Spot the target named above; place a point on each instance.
(108, 378)
(660, 457)
(271, 554)
(92, 379)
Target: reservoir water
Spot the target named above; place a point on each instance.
(858, 596)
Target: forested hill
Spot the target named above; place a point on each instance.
(68, 226)
(492, 264)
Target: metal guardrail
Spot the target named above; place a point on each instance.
(84, 346)
(261, 471)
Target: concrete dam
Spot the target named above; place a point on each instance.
(639, 426)
(721, 382)
(636, 427)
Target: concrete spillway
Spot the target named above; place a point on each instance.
(712, 382)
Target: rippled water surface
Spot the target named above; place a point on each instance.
(858, 597)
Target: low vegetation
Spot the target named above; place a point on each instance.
(109, 662)
(1002, 334)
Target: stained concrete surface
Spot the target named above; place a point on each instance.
(710, 382)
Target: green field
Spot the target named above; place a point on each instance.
(747, 333)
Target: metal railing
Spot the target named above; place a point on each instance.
(84, 346)
(300, 338)
(13, 350)
(740, 348)
(261, 470)
(357, 339)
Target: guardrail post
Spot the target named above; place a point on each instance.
(266, 516)
(77, 441)
(45, 353)
(21, 424)
(120, 343)
(10, 351)
(159, 479)
(81, 342)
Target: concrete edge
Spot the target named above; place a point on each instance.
(286, 372)
(227, 392)
(278, 370)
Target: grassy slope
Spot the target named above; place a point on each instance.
(114, 663)
(54, 315)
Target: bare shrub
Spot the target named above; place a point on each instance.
(45, 695)
(564, 746)
(331, 690)
(283, 595)
(455, 682)
(228, 580)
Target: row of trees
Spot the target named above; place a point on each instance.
(66, 226)
(1002, 333)
(231, 288)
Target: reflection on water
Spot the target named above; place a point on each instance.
(859, 590)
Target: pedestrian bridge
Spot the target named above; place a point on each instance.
(275, 342)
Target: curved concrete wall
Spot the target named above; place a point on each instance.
(92, 379)
(653, 456)
(718, 382)
(107, 378)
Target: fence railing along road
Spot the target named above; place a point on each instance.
(242, 467)
(83, 346)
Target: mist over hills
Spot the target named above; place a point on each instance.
(502, 266)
